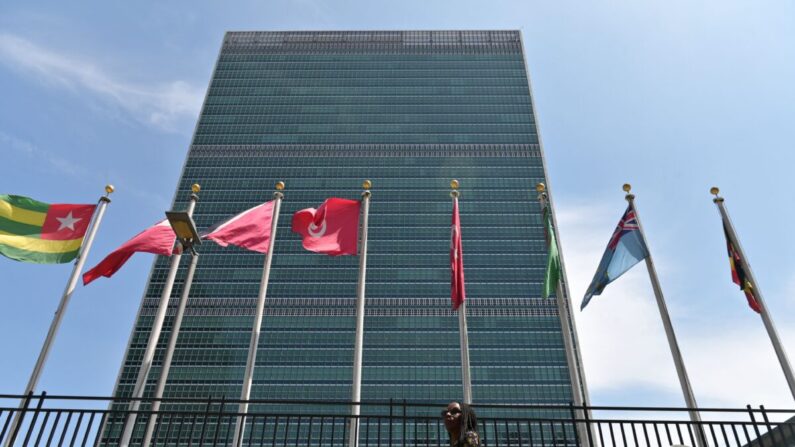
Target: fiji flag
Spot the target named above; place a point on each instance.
(625, 249)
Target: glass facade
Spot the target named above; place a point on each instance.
(409, 110)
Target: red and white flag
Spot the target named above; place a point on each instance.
(332, 229)
(158, 239)
(457, 292)
(250, 229)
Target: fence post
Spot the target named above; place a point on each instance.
(204, 421)
(769, 426)
(23, 410)
(218, 422)
(753, 422)
(404, 422)
(586, 413)
(35, 416)
(390, 423)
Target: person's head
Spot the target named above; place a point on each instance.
(459, 419)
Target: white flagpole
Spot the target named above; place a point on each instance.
(463, 334)
(172, 340)
(248, 377)
(568, 341)
(768, 322)
(356, 386)
(61, 310)
(684, 381)
(154, 337)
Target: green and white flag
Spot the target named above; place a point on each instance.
(552, 275)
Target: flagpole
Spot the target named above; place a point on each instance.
(462, 323)
(768, 322)
(248, 377)
(684, 381)
(61, 310)
(154, 337)
(172, 340)
(356, 387)
(568, 340)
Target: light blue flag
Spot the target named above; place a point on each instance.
(625, 249)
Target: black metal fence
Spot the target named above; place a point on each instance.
(95, 421)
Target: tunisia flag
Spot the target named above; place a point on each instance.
(250, 229)
(332, 229)
(457, 292)
(158, 239)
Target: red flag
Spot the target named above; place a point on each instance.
(250, 229)
(158, 239)
(332, 229)
(457, 292)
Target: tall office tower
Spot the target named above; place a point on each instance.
(409, 110)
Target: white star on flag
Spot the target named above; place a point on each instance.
(68, 222)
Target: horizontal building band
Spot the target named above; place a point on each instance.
(367, 150)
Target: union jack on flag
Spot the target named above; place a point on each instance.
(627, 223)
(625, 249)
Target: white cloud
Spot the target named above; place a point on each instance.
(31, 150)
(167, 106)
(623, 342)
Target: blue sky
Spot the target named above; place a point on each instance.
(673, 97)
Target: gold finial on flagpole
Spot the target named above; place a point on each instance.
(715, 191)
(627, 188)
(366, 185)
(108, 191)
(455, 185)
(195, 188)
(278, 193)
(540, 188)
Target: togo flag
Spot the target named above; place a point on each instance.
(42, 233)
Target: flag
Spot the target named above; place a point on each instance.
(625, 249)
(42, 233)
(158, 239)
(250, 229)
(331, 229)
(457, 289)
(552, 275)
(739, 276)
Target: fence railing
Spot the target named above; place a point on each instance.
(99, 421)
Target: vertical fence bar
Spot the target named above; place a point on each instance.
(5, 426)
(43, 426)
(320, 435)
(218, 421)
(102, 421)
(88, 429)
(22, 411)
(65, 427)
(275, 429)
(205, 421)
(76, 429)
(33, 420)
(286, 431)
(169, 426)
(753, 421)
(54, 428)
